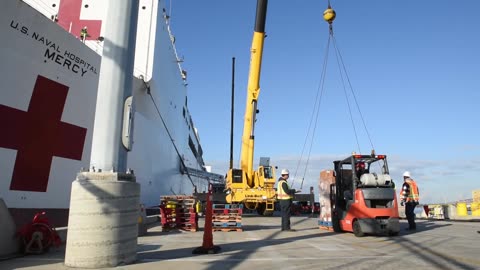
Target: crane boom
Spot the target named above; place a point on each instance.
(248, 138)
(255, 189)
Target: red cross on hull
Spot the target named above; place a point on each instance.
(38, 135)
(69, 18)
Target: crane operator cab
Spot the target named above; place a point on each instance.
(363, 196)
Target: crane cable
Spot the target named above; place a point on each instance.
(342, 67)
(329, 16)
(315, 113)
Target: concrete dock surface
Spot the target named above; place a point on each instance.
(261, 245)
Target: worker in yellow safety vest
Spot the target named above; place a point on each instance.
(84, 34)
(410, 198)
(285, 198)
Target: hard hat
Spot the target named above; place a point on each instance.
(406, 174)
(361, 165)
(285, 171)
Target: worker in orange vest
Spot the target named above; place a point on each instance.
(409, 197)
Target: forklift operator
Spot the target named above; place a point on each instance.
(360, 169)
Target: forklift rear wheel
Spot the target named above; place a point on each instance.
(357, 230)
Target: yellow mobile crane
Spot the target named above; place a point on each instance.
(255, 189)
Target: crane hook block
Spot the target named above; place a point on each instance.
(329, 15)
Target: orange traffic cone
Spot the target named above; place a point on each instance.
(207, 246)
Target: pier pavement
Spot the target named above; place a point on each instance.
(261, 245)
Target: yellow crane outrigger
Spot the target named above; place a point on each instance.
(255, 189)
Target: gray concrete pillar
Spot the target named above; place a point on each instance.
(103, 220)
(9, 243)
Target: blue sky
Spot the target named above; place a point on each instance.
(413, 66)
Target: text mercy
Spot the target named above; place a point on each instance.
(70, 61)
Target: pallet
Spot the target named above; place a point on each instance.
(226, 229)
(178, 213)
(188, 227)
(325, 223)
(237, 211)
(192, 216)
(180, 201)
(227, 206)
(227, 217)
(326, 228)
(226, 224)
(235, 220)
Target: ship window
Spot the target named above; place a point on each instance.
(54, 5)
(200, 151)
(144, 7)
(86, 6)
(192, 146)
(184, 112)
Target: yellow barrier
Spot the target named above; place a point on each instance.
(475, 206)
(462, 209)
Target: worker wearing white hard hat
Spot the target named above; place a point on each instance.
(285, 198)
(409, 197)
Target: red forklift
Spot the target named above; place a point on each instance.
(363, 196)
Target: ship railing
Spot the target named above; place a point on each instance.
(183, 73)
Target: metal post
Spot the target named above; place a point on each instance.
(232, 113)
(115, 85)
(105, 202)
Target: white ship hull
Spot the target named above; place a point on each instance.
(49, 95)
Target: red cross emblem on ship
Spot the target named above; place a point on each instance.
(39, 134)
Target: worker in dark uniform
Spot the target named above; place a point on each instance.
(285, 198)
(360, 169)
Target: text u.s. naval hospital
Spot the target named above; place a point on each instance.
(54, 53)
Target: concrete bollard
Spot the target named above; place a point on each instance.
(103, 220)
(9, 244)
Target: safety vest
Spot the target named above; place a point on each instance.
(413, 196)
(281, 194)
(84, 33)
